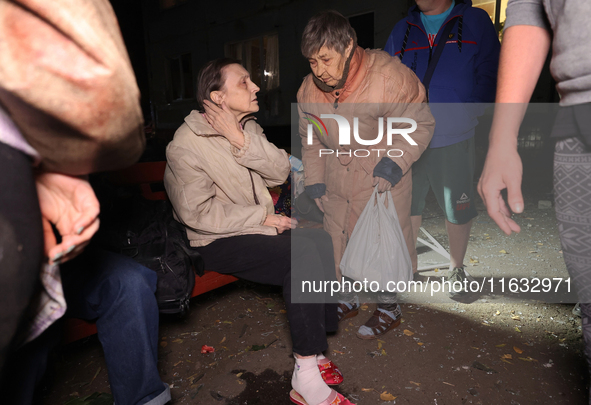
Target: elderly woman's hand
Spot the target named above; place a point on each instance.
(383, 184)
(224, 122)
(280, 222)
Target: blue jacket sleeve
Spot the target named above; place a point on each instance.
(487, 59)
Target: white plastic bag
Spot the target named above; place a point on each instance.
(377, 249)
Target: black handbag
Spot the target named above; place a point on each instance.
(306, 208)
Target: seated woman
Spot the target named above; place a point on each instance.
(219, 166)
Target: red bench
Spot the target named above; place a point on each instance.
(148, 176)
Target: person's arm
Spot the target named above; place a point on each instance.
(523, 53)
(486, 60)
(261, 156)
(313, 164)
(250, 146)
(192, 194)
(405, 97)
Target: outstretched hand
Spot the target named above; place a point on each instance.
(502, 169)
(70, 205)
(224, 122)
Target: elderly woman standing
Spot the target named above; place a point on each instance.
(367, 84)
(219, 166)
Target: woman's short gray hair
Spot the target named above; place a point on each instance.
(327, 28)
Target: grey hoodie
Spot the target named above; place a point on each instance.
(571, 46)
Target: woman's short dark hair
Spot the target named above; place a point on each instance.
(211, 78)
(328, 28)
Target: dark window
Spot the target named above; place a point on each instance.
(260, 56)
(363, 26)
(181, 78)
(166, 4)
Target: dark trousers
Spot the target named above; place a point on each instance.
(272, 260)
(21, 243)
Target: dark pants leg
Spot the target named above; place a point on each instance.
(21, 243)
(268, 260)
(26, 366)
(119, 294)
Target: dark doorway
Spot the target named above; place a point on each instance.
(363, 26)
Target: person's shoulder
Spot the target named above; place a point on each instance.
(306, 89)
(252, 125)
(383, 63)
(194, 124)
(390, 74)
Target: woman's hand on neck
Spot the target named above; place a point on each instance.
(225, 122)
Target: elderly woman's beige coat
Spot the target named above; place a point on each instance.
(216, 190)
(374, 77)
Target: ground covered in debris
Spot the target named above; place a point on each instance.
(490, 349)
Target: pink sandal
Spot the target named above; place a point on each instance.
(333, 399)
(330, 373)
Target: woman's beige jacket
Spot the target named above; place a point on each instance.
(218, 191)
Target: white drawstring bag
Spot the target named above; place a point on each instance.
(377, 250)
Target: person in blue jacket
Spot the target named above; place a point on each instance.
(458, 79)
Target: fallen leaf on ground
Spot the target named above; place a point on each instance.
(503, 251)
(407, 332)
(336, 351)
(223, 340)
(415, 383)
(163, 344)
(207, 349)
(527, 359)
(517, 350)
(517, 329)
(507, 356)
(379, 345)
(364, 307)
(448, 383)
(386, 396)
(420, 343)
(177, 363)
(366, 389)
(516, 318)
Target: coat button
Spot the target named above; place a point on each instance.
(343, 232)
(347, 201)
(347, 169)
